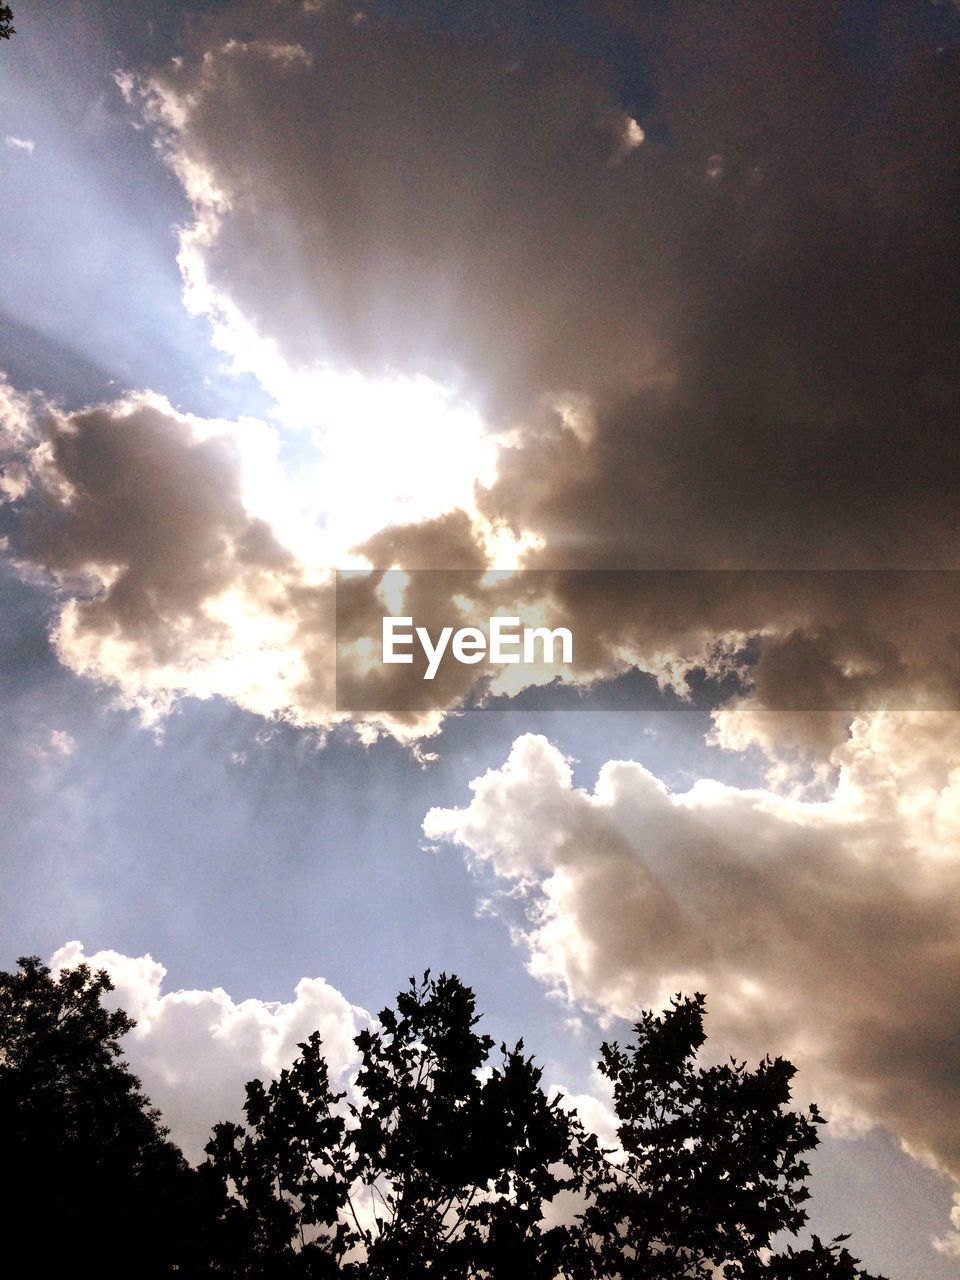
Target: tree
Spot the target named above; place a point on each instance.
(442, 1166)
(6, 22)
(711, 1167)
(89, 1181)
(439, 1163)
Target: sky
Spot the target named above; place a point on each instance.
(634, 319)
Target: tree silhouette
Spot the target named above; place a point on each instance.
(6, 22)
(89, 1182)
(442, 1161)
(442, 1166)
(711, 1166)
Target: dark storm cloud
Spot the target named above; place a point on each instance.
(405, 200)
(731, 344)
(749, 320)
(807, 227)
(760, 301)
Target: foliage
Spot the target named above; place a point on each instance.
(442, 1166)
(818, 1262)
(711, 1166)
(6, 22)
(89, 1179)
(441, 1161)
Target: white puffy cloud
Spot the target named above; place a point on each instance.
(826, 929)
(195, 1050)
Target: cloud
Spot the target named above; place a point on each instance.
(19, 144)
(823, 929)
(188, 563)
(761, 363)
(766, 357)
(173, 584)
(195, 1050)
(423, 200)
(497, 327)
(58, 742)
